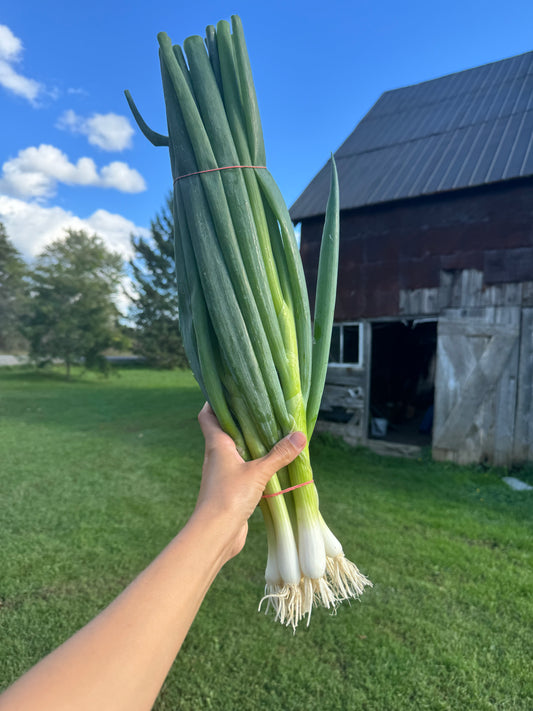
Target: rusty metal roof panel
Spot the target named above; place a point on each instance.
(466, 129)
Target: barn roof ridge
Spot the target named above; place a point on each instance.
(469, 70)
(464, 129)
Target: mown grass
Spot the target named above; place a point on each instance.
(97, 475)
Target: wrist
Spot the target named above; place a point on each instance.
(218, 530)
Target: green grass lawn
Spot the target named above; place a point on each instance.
(97, 475)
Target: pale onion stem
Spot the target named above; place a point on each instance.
(291, 603)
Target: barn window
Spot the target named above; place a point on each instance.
(346, 344)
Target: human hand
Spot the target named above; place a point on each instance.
(231, 488)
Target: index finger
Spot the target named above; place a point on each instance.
(210, 426)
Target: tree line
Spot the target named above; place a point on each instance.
(64, 304)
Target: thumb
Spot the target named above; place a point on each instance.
(283, 453)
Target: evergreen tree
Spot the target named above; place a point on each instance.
(73, 313)
(13, 296)
(155, 311)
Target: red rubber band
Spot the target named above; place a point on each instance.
(284, 491)
(224, 167)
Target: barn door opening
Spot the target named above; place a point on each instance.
(402, 381)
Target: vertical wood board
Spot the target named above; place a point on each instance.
(523, 430)
(367, 355)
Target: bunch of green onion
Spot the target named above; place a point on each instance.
(244, 309)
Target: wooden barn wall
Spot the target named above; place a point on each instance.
(400, 248)
(464, 290)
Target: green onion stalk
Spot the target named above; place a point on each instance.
(244, 309)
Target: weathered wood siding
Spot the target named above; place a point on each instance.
(476, 385)
(464, 289)
(399, 248)
(478, 419)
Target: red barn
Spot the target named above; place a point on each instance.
(433, 341)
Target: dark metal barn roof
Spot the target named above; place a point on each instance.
(466, 129)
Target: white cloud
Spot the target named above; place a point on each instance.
(111, 132)
(36, 171)
(31, 226)
(10, 46)
(120, 176)
(10, 54)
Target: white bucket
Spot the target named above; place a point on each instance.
(378, 427)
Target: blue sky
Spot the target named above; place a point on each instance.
(70, 155)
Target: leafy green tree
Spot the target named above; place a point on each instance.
(74, 316)
(13, 295)
(155, 309)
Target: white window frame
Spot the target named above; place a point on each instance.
(350, 364)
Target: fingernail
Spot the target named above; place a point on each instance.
(298, 439)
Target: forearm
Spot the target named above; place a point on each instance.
(119, 661)
(121, 658)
